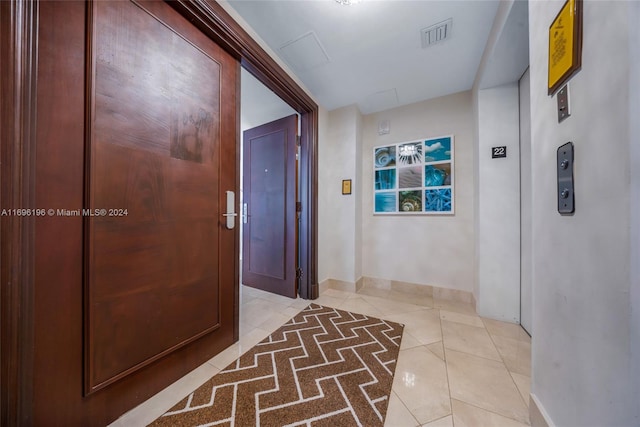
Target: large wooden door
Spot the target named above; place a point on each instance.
(135, 270)
(156, 187)
(269, 188)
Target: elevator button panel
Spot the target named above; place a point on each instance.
(566, 199)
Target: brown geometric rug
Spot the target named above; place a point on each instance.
(324, 367)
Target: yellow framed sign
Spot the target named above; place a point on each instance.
(346, 186)
(565, 45)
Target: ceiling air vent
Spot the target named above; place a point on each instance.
(436, 33)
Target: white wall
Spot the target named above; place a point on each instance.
(429, 250)
(526, 282)
(583, 370)
(497, 193)
(338, 237)
(498, 224)
(358, 189)
(324, 256)
(634, 112)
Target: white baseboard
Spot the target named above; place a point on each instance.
(404, 287)
(341, 285)
(537, 414)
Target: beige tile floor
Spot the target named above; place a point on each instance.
(454, 368)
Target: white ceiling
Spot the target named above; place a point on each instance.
(370, 53)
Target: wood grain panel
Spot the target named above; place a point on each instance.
(269, 237)
(141, 176)
(131, 258)
(136, 60)
(194, 253)
(267, 190)
(152, 275)
(186, 197)
(59, 177)
(151, 315)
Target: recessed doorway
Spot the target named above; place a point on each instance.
(269, 173)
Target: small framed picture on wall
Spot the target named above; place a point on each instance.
(346, 186)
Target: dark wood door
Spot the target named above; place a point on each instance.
(269, 191)
(153, 252)
(136, 272)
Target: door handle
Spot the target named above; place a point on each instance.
(245, 215)
(231, 207)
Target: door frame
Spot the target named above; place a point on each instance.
(19, 58)
(215, 22)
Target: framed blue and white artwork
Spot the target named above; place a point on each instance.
(414, 177)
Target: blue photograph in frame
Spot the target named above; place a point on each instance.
(437, 150)
(437, 175)
(386, 179)
(386, 201)
(414, 177)
(385, 157)
(438, 200)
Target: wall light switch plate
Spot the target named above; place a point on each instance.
(384, 127)
(563, 103)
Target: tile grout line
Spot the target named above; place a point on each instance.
(476, 355)
(446, 367)
(403, 404)
(471, 404)
(510, 376)
(441, 418)
(489, 410)
(418, 308)
(418, 423)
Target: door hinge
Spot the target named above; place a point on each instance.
(298, 273)
(298, 206)
(298, 141)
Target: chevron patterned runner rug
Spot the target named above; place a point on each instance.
(324, 367)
